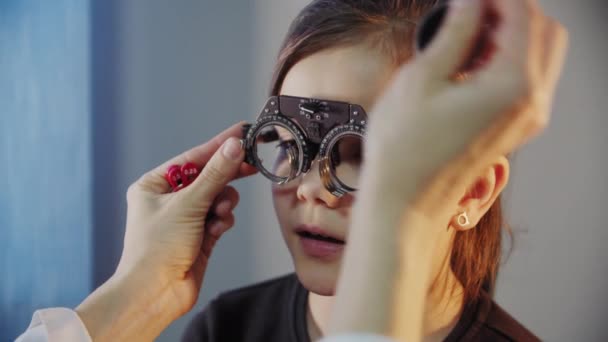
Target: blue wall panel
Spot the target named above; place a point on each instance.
(45, 158)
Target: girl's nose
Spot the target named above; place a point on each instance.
(311, 188)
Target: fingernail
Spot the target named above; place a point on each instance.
(430, 26)
(232, 149)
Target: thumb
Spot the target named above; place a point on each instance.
(221, 169)
(458, 23)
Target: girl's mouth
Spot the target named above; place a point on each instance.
(319, 237)
(319, 244)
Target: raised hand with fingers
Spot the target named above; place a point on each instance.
(170, 234)
(479, 90)
(504, 100)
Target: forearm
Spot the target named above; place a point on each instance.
(397, 220)
(125, 308)
(365, 289)
(413, 278)
(386, 269)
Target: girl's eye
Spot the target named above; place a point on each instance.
(286, 143)
(284, 152)
(348, 150)
(283, 146)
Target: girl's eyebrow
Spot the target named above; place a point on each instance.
(268, 136)
(271, 135)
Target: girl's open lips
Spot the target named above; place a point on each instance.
(318, 243)
(318, 233)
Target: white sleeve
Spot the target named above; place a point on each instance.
(357, 338)
(53, 325)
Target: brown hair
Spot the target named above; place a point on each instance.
(390, 25)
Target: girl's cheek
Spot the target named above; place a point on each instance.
(289, 189)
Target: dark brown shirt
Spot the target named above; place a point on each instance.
(275, 310)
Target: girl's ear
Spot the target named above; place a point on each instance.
(483, 193)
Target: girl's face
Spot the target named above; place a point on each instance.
(313, 222)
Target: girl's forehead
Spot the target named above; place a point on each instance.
(355, 74)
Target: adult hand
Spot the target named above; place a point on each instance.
(445, 130)
(430, 136)
(168, 242)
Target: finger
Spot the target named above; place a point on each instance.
(512, 77)
(202, 153)
(154, 180)
(221, 169)
(218, 226)
(518, 42)
(200, 264)
(209, 241)
(450, 48)
(555, 45)
(213, 231)
(225, 202)
(246, 170)
(518, 27)
(549, 60)
(533, 72)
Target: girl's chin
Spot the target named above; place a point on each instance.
(321, 282)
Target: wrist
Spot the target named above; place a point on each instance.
(127, 307)
(395, 247)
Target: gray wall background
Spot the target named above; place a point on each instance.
(169, 75)
(556, 279)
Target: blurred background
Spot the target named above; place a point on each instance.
(95, 93)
